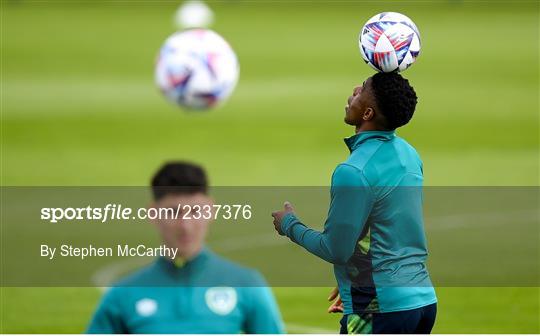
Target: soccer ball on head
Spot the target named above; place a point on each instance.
(196, 69)
(389, 42)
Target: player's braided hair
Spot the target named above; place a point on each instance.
(395, 98)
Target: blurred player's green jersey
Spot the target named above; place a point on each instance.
(374, 234)
(167, 298)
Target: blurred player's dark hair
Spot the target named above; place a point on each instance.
(395, 98)
(179, 177)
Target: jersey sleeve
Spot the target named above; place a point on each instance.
(263, 316)
(107, 318)
(351, 202)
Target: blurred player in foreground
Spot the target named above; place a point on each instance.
(194, 293)
(374, 233)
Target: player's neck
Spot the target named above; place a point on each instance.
(365, 127)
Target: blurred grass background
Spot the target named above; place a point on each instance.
(79, 107)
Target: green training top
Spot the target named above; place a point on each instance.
(206, 295)
(374, 233)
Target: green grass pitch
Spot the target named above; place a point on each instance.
(79, 107)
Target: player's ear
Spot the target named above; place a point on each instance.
(205, 199)
(368, 114)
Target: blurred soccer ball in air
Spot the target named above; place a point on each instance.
(193, 14)
(389, 42)
(196, 69)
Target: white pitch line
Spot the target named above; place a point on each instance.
(481, 219)
(108, 274)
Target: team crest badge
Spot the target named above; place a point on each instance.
(221, 300)
(146, 307)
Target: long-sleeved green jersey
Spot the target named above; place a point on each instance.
(374, 233)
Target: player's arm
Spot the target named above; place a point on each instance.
(263, 316)
(350, 205)
(108, 318)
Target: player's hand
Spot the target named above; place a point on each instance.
(278, 216)
(337, 305)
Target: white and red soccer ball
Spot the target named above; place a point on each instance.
(389, 42)
(196, 69)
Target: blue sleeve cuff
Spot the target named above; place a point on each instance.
(287, 222)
